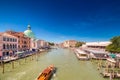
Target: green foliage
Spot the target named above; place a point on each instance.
(115, 45)
(51, 44)
(78, 44)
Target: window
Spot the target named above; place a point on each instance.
(7, 46)
(7, 53)
(11, 39)
(4, 39)
(3, 46)
(15, 40)
(3, 53)
(13, 46)
(10, 46)
(19, 46)
(7, 39)
(25, 42)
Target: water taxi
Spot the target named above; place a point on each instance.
(81, 55)
(47, 73)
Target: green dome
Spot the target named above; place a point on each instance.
(29, 33)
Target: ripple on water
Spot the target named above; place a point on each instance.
(68, 67)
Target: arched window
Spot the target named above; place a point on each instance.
(3, 46)
(4, 38)
(13, 46)
(3, 53)
(15, 40)
(7, 39)
(10, 46)
(7, 46)
(18, 46)
(11, 39)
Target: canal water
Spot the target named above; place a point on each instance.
(68, 67)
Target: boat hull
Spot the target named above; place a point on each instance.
(47, 73)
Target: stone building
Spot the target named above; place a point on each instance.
(8, 44)
(69, 43)
(35, 43)
(33, 40)
(23, 41)
(96, 45)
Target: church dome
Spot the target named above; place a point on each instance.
(29, 33)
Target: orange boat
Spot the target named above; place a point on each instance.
(47, 73)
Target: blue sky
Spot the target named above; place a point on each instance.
(59, 20)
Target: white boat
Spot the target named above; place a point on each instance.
(81, 55)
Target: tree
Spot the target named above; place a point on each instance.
(115, 45)
(51, 44)
(78, 44)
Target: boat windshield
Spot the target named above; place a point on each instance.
(83, 55)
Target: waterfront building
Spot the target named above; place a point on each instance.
(35, 43)
(69, 43)
(8, 44)
(23, 41)
(46, 44)
(96, 49)
(31, 35)
(61, 45)
(43, 44)
(96, 45)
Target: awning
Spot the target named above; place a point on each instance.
(111, 60)
(20, 52)
(118, 55)
(112, 55)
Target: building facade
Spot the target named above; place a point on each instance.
(23, 41)
(8, 44)
(35, 43)
(43, 44)
(96, 45)
(33, 40)
(69, 43)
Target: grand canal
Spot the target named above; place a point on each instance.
(68, 67)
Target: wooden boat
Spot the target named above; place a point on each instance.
(47, 73)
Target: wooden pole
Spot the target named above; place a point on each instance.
(3, 67)
(12, 64)
(111, 76)
(32, 56)
(0, 63)
(113, 66)
(19, 62)
(37, 56)
(25, 59)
